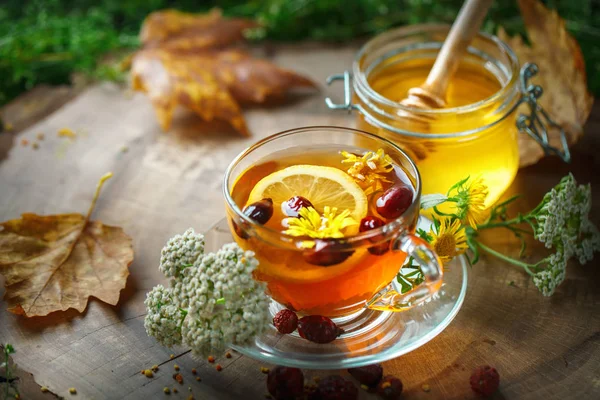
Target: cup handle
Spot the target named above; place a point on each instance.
(389, 299)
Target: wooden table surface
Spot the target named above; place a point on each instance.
(164, 183)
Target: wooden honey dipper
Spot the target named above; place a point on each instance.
(432, 94)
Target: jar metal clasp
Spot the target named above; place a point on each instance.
(535, 124)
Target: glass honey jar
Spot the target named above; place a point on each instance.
(476, 134)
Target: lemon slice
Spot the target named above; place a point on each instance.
(322, 186)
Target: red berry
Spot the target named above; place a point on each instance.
(285, 383)
(285, 321)
(485, 380)
(368, 223)
(328, 252)
(390, 388)
(260, 211)
(335, 387)
(239, 230)
(292, 207)
(369, 375)
(394, 201)
(318, 329)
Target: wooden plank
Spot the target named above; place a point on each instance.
(165, 183)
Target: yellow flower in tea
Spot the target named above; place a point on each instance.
(470, 201)
(450, 239)
(369, 169)
(312, 224)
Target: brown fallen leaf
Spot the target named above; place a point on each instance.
(56, 262)
(561, 75)
(176, 30)
(187, 59)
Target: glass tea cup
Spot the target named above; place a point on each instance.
(357, 278)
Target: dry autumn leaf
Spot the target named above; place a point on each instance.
(56, 262)
(187, 60)
(561, 75)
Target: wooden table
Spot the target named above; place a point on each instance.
(165, 183)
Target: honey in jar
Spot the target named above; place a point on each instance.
(474, 135)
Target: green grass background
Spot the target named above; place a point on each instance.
(46, 41)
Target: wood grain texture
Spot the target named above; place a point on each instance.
(165, 183)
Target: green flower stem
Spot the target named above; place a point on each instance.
(501, 256)
(506, 224)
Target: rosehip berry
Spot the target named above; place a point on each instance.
(318, 329)
(368, 223)
(285, 383)
(335, 387)
(328, 252)
(394, 201)
(239, 231)
(292, 207)
(485, 380)
(260, 211)
(390, 388)
(369, 375)
(285, 321)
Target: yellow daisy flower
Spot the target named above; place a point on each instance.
(369, 169)
(329, 225)
(476, 210)
(469, 200)
(450, 240)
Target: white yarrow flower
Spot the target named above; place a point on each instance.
(215, 300)
(548, 280)
(181, 251)
(163, 319)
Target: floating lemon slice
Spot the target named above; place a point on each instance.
(322, 186)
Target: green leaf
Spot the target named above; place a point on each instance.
(431, 200)
(405, 285)
(458, 184)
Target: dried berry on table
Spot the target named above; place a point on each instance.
(264, 370)
(390, 388)
(335, 387)
(72, 390)
(286, 321)
(219, 368)
(368, 375)
(485, 380)
(285, 383)
(228, 355)
(176, 367)
(318, 329)
(166, 390)
(211, 359)
(148, 373)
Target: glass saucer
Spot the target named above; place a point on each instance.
(370, 336)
